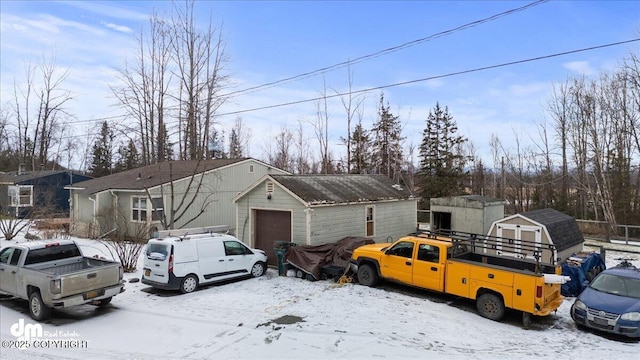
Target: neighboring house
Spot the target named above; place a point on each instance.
(132, 203)
(545, 227)
(41, 191)
(318, 209)
(467, 213)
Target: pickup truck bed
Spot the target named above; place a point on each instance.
(53, 274)
(69, 266)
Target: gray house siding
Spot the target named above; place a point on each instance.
(392, 220)
(322, 223)
(218, 188)
(256, 199)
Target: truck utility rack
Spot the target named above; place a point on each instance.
(186, 234)
(502, 251)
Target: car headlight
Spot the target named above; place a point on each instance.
(631, 316)
(580, 305)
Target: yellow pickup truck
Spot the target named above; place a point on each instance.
(464, 264)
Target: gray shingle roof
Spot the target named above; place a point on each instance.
(562, 228)
(12, 177)
(150, 175)
(340, 189)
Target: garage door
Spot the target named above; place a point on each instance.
(272, 226)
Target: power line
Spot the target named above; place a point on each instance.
(462, 72)
(358, 59)
(433, 77)
(388, 50)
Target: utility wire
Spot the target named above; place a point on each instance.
(388, 50)
(433, 77)
(358, 59)
(422, 79)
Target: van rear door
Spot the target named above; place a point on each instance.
(157, 261)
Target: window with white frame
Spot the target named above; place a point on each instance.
(21, 195)
(139, 208)
(370, 220)
(157, 209)
(143, 210)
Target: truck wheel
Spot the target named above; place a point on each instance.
(189, 284)
(490, 306)
(367, 276)
(104, 302)
(38, 310)
(526, 320)
(257, 269)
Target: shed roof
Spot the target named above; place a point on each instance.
(151, 175)
(343, 188)
(562, 228)
(466, 201)
(15, 177)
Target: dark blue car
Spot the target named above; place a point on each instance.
(611, 302)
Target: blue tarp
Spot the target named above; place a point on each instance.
(582, 268)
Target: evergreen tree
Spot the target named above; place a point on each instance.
(387, 148)
(442, 160)
(235, 148)
(361, 157)
(102, 153)
(128, 157)
(216, 145)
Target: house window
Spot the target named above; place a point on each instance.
(370, 218)
(21, 195)
(251, 169)
(157, 210)
(138, 208)
(141, 207)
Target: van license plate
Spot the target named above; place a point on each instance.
(92, 294)
(147, 273)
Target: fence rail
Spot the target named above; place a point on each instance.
(600, 231)
(605, 232)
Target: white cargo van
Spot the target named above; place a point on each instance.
(184, 262)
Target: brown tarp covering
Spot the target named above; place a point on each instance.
(311, 258)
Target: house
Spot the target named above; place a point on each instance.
(41, 191)
(173, 194)
(548, 227)
(319, 209)
(467, 213)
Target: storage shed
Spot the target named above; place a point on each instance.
(467, 213)
(545, 227)
(319, 209)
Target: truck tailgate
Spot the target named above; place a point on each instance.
(90, 279)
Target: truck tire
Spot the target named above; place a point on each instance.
(189, 284)
(258, 269)
(367, 275)
(490, 306)
(38, 310)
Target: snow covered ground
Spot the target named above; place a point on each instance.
(276, 317)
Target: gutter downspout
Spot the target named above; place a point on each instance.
(93, 219)
(116, 203)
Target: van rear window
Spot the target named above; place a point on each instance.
(52, 253)
(157, 251)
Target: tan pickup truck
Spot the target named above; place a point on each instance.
(459, 264)
(54, 274)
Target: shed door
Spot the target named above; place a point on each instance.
(530, 234)
(271, 226)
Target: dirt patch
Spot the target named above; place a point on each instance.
(283, 320)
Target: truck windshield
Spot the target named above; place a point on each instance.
(52, 253)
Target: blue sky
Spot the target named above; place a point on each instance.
(268, 40)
